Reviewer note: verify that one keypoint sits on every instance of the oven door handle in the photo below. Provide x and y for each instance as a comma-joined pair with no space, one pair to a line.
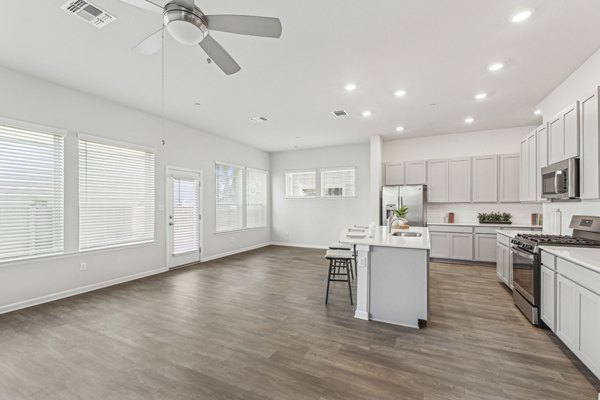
522,253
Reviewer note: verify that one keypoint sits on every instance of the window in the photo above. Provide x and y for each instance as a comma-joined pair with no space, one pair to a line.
300,184
229,202
338,182
256,200
116,194
31,192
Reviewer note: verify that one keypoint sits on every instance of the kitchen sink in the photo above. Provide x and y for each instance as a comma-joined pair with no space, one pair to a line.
407,234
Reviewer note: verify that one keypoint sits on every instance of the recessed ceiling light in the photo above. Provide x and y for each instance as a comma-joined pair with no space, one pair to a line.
400,93
495,67
350,87
399,129
522,15
366,113
480,96
538,112
469,120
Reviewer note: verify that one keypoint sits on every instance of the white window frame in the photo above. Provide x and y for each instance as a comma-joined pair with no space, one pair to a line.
267,195
125,145
60,133
301,171
324,171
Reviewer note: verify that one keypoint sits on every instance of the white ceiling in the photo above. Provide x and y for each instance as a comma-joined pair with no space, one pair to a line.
436,50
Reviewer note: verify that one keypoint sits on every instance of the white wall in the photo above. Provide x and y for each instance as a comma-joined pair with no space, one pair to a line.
480,143
29,99
470,144
318,221
581,82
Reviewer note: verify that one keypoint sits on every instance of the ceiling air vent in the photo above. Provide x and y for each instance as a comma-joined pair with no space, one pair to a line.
258,119
340,113
89,13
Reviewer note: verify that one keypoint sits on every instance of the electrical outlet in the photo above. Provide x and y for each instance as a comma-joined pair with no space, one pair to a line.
83,266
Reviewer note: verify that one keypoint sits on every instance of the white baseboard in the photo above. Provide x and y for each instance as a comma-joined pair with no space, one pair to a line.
72,292
304,245
237,251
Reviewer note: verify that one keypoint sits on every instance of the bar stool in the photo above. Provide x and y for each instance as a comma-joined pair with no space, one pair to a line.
340,265
347,247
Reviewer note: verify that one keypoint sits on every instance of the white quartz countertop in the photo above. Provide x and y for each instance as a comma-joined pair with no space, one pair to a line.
587,257
384,239
511,233
507,226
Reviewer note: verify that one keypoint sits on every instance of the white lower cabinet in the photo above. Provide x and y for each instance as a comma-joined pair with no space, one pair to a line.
589,329
440,245
578,322
567,312
548,299
451,246
485,247
503,264
461,246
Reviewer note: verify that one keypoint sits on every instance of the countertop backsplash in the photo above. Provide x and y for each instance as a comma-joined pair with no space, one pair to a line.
557,215
465,213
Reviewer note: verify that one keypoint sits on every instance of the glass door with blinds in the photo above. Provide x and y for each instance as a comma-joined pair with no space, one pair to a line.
183,217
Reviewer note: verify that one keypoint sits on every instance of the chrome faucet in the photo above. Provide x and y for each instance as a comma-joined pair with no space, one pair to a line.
390,222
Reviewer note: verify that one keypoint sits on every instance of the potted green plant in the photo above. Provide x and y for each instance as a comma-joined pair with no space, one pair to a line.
494,218
401,213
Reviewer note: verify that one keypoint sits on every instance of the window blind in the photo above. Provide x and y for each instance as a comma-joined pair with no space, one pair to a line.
229,201
31,193
256,203
185,215
116,195
338,182
300,184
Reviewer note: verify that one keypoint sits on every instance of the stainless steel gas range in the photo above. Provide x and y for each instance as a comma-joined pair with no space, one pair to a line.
526,264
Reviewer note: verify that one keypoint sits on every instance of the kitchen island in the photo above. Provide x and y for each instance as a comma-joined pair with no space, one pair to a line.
392,282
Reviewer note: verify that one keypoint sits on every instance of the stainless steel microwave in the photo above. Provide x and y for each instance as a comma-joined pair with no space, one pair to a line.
561,180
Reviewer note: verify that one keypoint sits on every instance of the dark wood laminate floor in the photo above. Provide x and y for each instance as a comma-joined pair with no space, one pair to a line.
254,326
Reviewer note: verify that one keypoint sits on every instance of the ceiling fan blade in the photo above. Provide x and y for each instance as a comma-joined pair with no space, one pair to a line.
151,44
189,4
219,55
145,4
245,25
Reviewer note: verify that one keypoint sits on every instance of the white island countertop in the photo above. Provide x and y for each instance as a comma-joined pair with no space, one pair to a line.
588,257
384,239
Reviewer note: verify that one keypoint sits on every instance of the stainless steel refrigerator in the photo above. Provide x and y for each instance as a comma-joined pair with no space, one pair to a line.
412,196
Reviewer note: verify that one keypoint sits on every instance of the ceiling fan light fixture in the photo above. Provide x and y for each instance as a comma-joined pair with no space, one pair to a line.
185,26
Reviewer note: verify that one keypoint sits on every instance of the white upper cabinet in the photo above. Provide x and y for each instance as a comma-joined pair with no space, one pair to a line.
460,180
589,167
394,174
485,179
542,156
437,183
563,134
529,168
524,181
510,178
532,167
416,173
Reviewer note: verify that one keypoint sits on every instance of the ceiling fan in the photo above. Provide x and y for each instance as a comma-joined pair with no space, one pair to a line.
189,25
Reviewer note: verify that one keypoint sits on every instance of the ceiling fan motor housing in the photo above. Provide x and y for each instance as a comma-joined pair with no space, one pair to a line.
185,25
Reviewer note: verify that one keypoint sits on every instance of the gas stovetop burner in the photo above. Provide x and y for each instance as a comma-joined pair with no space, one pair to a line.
556,239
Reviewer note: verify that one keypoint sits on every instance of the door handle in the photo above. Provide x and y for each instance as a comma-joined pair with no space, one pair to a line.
170,224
